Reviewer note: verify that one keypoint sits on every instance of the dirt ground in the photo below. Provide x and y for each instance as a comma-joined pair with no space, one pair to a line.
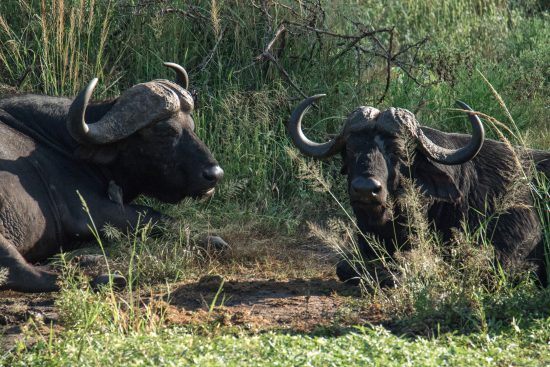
249,302
262,304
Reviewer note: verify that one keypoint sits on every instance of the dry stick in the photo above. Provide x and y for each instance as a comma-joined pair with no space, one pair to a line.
289,8
388,67
360,37
210,55
394,59
183,13
269,46
267,55
339,35
355,39
268,32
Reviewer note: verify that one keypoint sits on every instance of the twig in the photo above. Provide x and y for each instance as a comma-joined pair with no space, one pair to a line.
270,57
338,35
195,15
267,55
210,55
267,50
361,37
388,68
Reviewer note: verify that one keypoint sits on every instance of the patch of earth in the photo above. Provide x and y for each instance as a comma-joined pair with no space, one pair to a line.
300,305
19,310
247,299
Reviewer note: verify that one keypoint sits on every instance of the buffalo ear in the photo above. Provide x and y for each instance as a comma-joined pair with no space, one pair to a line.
436,180
98,154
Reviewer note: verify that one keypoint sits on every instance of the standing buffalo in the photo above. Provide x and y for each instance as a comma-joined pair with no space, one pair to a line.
462,176
142,142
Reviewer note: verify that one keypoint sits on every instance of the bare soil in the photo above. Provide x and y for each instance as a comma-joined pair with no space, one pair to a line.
21,311
262,304
247,299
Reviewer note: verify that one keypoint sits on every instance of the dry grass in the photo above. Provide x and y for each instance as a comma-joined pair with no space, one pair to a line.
3,275
434,280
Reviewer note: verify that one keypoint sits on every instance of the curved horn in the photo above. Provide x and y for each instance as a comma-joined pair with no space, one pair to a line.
181,75
141,105
306,146
76,124
455,156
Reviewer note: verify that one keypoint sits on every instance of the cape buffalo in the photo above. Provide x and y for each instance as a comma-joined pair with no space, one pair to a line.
142,142
461,175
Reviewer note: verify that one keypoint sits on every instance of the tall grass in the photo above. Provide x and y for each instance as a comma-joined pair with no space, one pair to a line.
56,47
460,284
3,275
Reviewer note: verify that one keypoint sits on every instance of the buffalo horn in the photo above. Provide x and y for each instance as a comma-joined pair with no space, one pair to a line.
76,124
182,79
306,146
455,156
136,108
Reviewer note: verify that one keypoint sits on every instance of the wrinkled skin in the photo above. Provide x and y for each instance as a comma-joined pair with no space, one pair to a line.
455,193
42,167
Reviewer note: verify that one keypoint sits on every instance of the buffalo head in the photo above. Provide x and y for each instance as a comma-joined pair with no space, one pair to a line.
146,139
375,147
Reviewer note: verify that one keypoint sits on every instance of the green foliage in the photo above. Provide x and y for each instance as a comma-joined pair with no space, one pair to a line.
52,46
56,47
512,345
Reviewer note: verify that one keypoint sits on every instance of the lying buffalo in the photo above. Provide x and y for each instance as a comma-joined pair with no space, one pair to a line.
461,175
142,142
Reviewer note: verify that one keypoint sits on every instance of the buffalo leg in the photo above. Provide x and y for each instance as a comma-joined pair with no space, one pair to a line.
123,217
21,275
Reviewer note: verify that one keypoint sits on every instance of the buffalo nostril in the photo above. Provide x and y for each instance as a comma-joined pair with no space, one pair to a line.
373,185
213,173
366,186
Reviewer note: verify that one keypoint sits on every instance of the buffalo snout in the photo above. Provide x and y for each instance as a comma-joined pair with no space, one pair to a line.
213,174
367,190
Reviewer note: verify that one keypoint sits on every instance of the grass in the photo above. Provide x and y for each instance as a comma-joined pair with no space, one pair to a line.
359,346
445,316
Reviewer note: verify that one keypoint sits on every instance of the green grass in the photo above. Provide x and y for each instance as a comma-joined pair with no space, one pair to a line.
361,346
56,47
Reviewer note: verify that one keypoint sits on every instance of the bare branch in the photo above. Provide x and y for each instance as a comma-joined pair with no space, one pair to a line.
388,68
280,31
210,55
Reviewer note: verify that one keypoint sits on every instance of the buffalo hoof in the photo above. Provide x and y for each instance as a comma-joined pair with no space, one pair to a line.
103,280
347,274
213,244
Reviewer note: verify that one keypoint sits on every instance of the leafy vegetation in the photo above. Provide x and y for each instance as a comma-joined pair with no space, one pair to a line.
361,346
462,310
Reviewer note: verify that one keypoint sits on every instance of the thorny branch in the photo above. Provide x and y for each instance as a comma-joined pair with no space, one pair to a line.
368,43
353,41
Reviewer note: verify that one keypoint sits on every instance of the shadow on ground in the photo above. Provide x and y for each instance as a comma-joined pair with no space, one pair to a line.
262,304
